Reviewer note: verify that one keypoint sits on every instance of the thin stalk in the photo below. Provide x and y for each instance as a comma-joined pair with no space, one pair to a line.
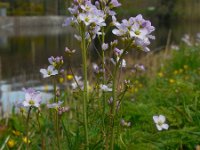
103,67
57,130
113,110
85,90
106,68
27,127
56,116
104,81
114,94
70,68
104,96
40,130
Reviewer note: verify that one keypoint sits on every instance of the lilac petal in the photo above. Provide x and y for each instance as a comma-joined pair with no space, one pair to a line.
51,59
43,71
165,126
55,72
25,104
38,98
67,22
27,97
162,118
50,68
159,127
116,32
156,119
46,76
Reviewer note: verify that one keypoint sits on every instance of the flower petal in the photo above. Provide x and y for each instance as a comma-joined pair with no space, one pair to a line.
159,127
155,119
50,68
165,126
27,97
43,71
162,118
25,104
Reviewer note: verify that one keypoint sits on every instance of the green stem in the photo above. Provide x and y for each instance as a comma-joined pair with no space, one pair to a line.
56,116
114,94
54,88
113,110
40,130
57,129
85,90
27,127
104,81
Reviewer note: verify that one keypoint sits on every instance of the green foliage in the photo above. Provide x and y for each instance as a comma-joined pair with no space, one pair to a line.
174,94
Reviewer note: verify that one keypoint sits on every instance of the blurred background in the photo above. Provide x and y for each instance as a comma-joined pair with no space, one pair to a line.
31,31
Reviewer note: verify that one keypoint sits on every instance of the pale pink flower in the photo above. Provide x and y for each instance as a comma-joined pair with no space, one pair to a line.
160,122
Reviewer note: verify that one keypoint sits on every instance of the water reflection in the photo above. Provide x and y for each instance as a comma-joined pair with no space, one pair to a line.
25,50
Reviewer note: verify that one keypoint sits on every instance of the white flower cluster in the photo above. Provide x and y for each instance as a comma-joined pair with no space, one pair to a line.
92,16
53,68
137,29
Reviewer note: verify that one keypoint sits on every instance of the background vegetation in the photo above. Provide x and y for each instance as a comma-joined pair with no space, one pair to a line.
171,89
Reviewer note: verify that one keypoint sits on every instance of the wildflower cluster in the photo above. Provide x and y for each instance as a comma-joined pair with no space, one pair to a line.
136,29
86,14
191,41
107,95
91,20
54,67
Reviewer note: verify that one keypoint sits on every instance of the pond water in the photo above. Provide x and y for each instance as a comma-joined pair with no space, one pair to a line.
24,51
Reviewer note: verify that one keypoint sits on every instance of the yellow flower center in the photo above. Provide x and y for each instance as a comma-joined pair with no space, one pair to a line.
137,32
31,102
160,123
86,19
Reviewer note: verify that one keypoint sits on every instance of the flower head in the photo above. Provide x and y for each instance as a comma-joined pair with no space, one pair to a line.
55,61
95,67
69,77
105,88
32,98
62,110
187,39
135,28
139,67
114,3
11,143
104,46
26,140
160,122
69,51
77,82
50,71
124,123
88,14
16,133
54,105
